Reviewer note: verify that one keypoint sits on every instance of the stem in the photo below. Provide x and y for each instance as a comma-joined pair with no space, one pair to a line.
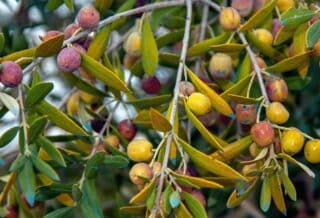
183,55
24,121
292,128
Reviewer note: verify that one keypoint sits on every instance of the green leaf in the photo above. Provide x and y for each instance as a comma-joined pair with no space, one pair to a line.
235,198
67,138
151,198
36,128
8,136
90,204
283,34
259,17
194,206
276,193
27,181
50,47
288,186
166,199
313,34
182,212
210,164
53,190
60,213
18,163
150,101
237,88
69,4
149,47
294,17
198,181
102,73
99,43
45,168
19,54
51,150
242,99
117,161
37,93
265,195
204,46
103,5
158,121
174,199
53,4
245,68
169,38
2,42
228,47
10,103
127,5
93,164
296,82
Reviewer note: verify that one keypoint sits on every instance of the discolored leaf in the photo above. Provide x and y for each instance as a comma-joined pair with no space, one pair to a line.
99,43
294,17
201,182
51,150
158,121
209,164
265,195
283,34
217,101
294,161
228,47
10,103
289,63
37,93
8,136
134,210
300,47
50,47
313,34
27,181
182,212
150,101
194,205
175,199
19,54
259,16
142,195
262,154
276,193
235,199
288,185
45,168
102,73
149,47
60,213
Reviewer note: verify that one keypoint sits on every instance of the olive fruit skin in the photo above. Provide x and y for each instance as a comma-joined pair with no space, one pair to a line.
132,46
246,113
312,151
262,133
70,30
140,170
229,18
68,59
198,103
292,141
277,89
151,85
284,5
264,36
186,88
220,66
88,17
127,129
244,7
112,140
10,74
139,150
277,113
12,212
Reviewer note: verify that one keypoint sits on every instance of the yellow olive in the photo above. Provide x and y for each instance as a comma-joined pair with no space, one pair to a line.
199,103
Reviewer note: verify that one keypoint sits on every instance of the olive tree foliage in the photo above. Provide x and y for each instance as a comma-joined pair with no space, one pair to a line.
182,108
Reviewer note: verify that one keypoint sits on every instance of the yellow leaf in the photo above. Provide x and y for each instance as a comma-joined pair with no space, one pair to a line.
259,16
236,89
99,43
276,192
212,165
283,35
201,182
158,121
299,46
217,102
65,199
235,200
228,47
19,54
207,135
182,212
245,68
142,196
134,210
50,47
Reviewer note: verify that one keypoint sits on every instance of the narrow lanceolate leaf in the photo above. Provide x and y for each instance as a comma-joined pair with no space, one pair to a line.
166,199
158,121
103,5
262,154
69,4
10,103
265,195
242,99
294,17
245,68
124,7
2,42
228,47
207,135
212,165
283,34
276,192
233,150
204,46
37,93
313,34
19,54
296,82
151,198
288,186
50,47
236,89
36,128
119,160
201,182
182,212
51,150
294,161
194,205
102,73
149,47
8,136
169,38
289,63
45,168
89,203
60,213
134,210
259,17
300,47
99,43
27,181
150,101
175,199
142,196
217,102
58,117
235,199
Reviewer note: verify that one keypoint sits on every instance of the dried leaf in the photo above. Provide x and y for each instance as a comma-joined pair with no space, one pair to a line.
276,192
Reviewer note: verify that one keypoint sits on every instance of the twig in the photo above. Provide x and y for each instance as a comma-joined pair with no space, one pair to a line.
24,121
183,55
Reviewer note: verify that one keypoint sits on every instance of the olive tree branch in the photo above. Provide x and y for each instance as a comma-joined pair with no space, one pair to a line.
24,121
182,60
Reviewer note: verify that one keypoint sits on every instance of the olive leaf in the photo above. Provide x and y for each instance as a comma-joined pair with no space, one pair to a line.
50,46
142,195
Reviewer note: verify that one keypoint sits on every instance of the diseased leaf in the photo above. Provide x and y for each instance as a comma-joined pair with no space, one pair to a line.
37,93
142,195
102,73
99,43
45,168
288,186
50,47
10,103
217,101
276,193
194,205
8,136
209,164
259,16
313,34
265,195
149,47
294,17
158,121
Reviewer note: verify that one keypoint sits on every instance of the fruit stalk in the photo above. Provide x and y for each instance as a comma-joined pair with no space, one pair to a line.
182,60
